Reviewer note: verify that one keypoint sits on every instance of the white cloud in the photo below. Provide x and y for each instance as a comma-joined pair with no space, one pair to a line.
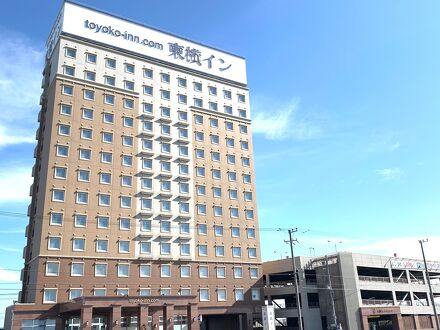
10,137
390,174
385,141
14,184
9,275
11,249
283,123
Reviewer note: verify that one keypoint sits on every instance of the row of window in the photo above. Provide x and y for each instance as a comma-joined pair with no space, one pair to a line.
129,68
89,94
100,269
145,247
50,294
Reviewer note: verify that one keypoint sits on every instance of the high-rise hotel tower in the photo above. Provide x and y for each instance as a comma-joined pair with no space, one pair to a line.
143,212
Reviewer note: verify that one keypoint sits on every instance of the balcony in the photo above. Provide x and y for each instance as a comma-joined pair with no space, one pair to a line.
379,279
377,302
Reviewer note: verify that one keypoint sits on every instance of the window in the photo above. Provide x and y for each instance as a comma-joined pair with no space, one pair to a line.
250,232
198,103
83,175
184,228
239,294
165,147
219,251
127,160
165,78
101,245
234,212
165,129
185,249
85,154
256,295
230,159
215,139
185,271
50,296
124,246
82,197
125,202
70,52
129,68
123,270
124,224
165,166
203,271
241,98
200,171
108,80
201,209
52,268
122,292
200,153
99,292
246,178
109,99
181,82
129,85
202,229
216,174
227,94
127,121
165,226
232,194
89,94
91,58
243,129
103,222
203,250
100,270
164,94
215,156
86,133
232,176
87,113
145,247
148,90
247,196
58,195
147,163
184,207
182,115
146,204
165,270
201,190
230,142
212,106
60,172
235,231
69,70
107,137
221,294
105,178
218,211
165,292
200,136
80,220
218,230
197,87
227,109
165,206
249,214
108,118
147,126
198,119
238,272
182,99
204,294
54,243
145,292
183,133
63,129
183,169
146,183
128,103
144,270
145,225
75,293
253,272
148,73
103,199
79,244
229,126
106,157
236,251
110,63
212,90
127,141
126,180
77,269
242,113
220,272
68,90
89,75
213,122
252,252
56,218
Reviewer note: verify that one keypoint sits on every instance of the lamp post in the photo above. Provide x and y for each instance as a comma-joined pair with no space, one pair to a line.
298,301
429,283
335,242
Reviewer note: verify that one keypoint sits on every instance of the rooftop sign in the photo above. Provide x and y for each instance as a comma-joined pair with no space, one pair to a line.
105,28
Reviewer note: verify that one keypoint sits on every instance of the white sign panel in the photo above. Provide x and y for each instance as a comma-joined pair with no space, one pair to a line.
414,264
117,32
268,315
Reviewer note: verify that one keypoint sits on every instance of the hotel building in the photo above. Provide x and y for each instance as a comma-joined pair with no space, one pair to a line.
143,212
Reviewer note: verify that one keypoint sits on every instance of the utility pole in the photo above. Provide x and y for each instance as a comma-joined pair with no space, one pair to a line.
298,301
332,298
429,283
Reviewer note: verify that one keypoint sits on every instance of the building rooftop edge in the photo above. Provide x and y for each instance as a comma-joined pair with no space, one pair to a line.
77,3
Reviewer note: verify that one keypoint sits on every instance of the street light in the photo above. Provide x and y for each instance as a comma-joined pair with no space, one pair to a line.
335,242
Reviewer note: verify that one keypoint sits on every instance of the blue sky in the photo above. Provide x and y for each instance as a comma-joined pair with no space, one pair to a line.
345,105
